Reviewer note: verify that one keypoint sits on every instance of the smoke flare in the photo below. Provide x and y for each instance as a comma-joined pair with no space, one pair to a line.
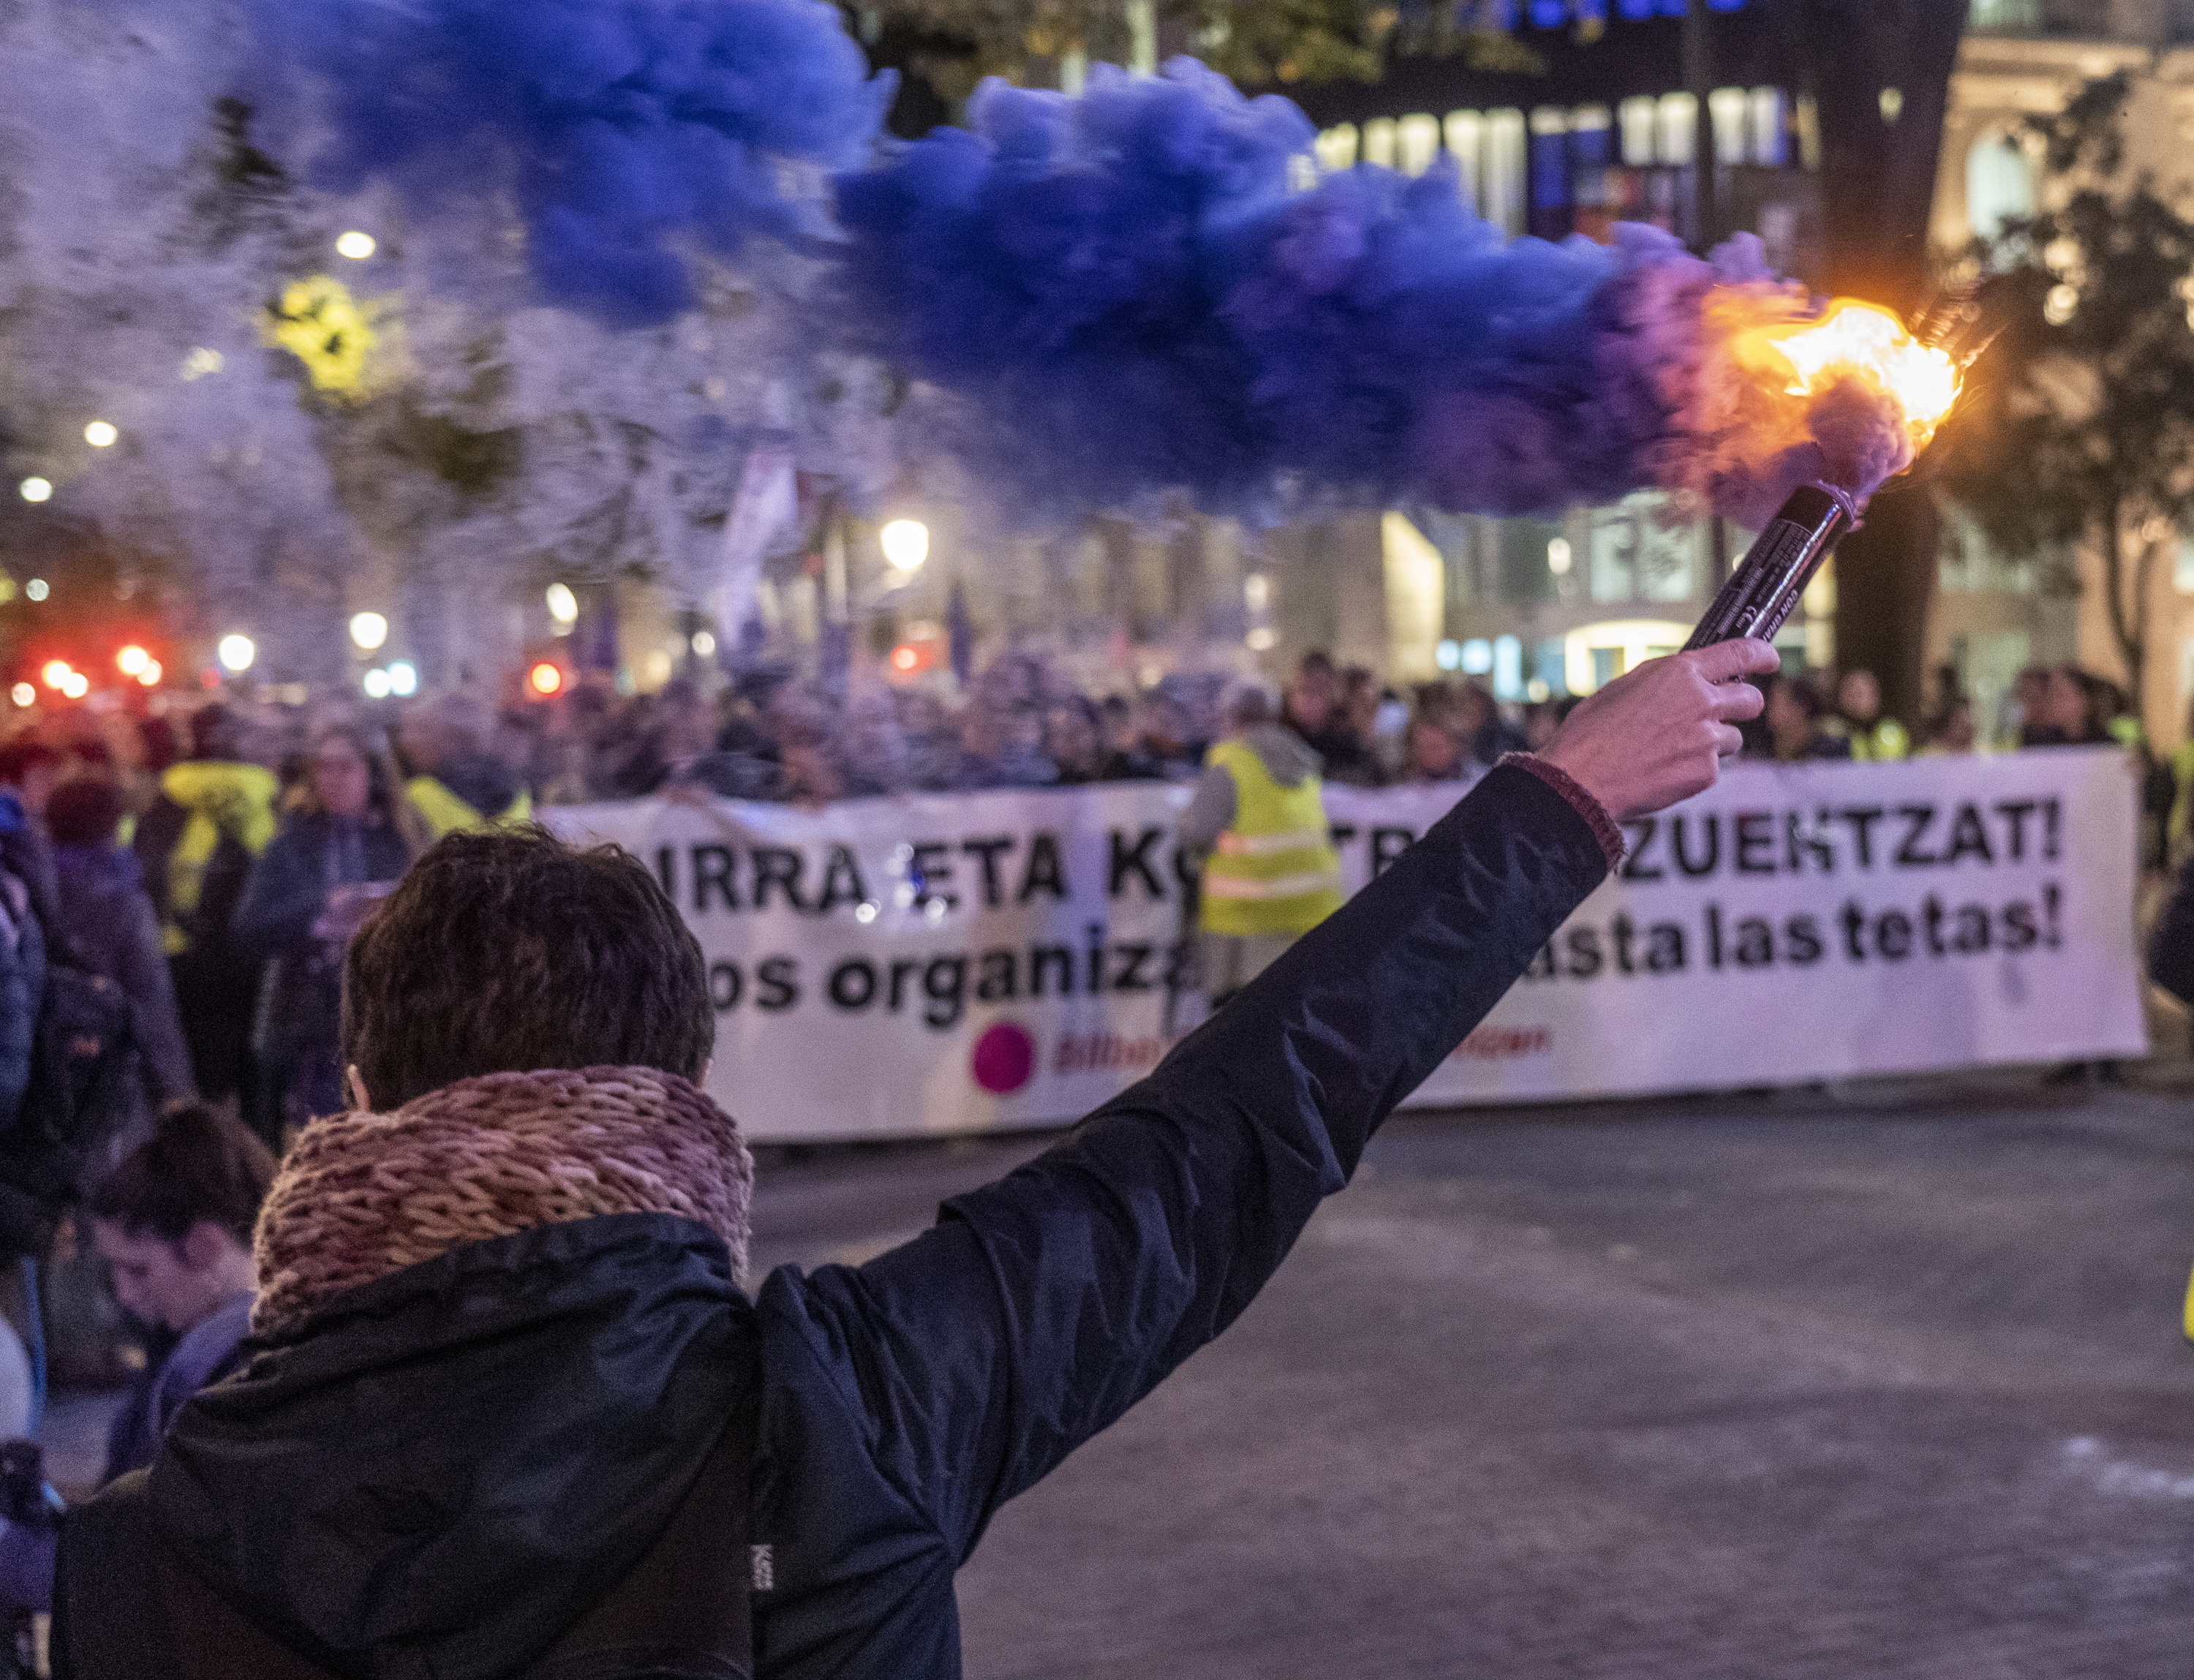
1132,292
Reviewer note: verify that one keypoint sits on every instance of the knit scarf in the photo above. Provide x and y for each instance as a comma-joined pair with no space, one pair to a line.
359,1196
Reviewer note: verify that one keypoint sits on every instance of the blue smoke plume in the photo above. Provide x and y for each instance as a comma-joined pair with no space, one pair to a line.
1130,296
619,129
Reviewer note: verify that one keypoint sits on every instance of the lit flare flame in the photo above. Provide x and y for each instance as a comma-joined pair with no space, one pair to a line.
1856,340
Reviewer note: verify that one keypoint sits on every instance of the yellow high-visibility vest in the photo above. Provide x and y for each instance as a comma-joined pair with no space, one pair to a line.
1883,742
226,802
1274,871
446,813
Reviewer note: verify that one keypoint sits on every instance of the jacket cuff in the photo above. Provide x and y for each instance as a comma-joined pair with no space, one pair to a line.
1603,826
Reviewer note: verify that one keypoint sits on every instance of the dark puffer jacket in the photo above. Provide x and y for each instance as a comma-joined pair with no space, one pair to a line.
445,1468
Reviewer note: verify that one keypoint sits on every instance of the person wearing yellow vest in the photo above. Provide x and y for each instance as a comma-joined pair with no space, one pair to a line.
456,785
1874,739
195,848
1258,823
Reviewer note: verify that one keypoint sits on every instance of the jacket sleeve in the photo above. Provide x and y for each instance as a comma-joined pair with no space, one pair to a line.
283,895
1210,813
1042,1307
2171,945
145,981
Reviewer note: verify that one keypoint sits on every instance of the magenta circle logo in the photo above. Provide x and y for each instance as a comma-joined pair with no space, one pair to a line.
1003,1059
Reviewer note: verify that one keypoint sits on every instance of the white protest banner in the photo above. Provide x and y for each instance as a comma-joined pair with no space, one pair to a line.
1818,921
971,962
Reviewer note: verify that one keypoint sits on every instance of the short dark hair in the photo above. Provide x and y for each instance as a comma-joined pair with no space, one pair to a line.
199,1165
509,952
84,811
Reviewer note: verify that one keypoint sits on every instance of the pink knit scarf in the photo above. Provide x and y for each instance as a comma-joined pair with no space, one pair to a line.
362,1195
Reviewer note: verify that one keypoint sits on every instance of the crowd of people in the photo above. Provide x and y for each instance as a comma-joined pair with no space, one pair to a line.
211,865
203,872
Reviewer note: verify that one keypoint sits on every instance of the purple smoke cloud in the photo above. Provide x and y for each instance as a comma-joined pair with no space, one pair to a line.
619,130
1134,295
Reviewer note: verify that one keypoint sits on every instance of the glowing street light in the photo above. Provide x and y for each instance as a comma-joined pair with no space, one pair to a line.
35,489
545,678
563,605
355,244
376,684
236,653
37,589
56,673
368,631
23,694
403,678
78,686
132,659
906,542
149,676
100,433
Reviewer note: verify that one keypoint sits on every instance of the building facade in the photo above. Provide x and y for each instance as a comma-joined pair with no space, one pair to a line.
2020,59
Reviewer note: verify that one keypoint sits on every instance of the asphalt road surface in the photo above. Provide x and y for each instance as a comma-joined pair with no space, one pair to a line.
1855,1385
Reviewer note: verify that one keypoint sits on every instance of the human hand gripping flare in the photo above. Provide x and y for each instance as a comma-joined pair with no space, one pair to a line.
1657,735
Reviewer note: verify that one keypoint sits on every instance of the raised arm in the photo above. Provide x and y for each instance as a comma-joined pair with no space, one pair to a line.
1044,1305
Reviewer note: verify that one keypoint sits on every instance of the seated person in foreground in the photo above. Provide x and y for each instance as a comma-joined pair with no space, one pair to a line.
508,1411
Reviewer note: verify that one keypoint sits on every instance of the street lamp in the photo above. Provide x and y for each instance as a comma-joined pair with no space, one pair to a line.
132,659
100,433
402,679
236,652
905,543
563,605
368,631
355,244
37,489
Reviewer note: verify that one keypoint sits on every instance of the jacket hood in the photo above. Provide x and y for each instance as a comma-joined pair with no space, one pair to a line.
1287,757
487,784
440,1471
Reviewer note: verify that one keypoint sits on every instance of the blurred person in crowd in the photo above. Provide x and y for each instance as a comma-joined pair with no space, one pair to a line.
173,1223
1313,711
457,785
1433,750
30,770
1169,746
874,748
340,852
1797,723
813,774
1073,742
1542,721
2020,709
1858,720
1489,735
2067,715
1002,745
106,921
1257,826
1123,738
516,1265
196,845
1954,732
933,745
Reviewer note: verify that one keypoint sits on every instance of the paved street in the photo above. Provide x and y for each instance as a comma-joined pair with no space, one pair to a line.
1888,1384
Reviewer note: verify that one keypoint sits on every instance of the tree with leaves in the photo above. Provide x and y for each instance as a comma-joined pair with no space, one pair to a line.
2079,429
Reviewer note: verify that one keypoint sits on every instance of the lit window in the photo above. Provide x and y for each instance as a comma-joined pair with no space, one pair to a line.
1507,668
1676,125
1999,184
1417,142
1502,184
1464,132
1637,118
1336,148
